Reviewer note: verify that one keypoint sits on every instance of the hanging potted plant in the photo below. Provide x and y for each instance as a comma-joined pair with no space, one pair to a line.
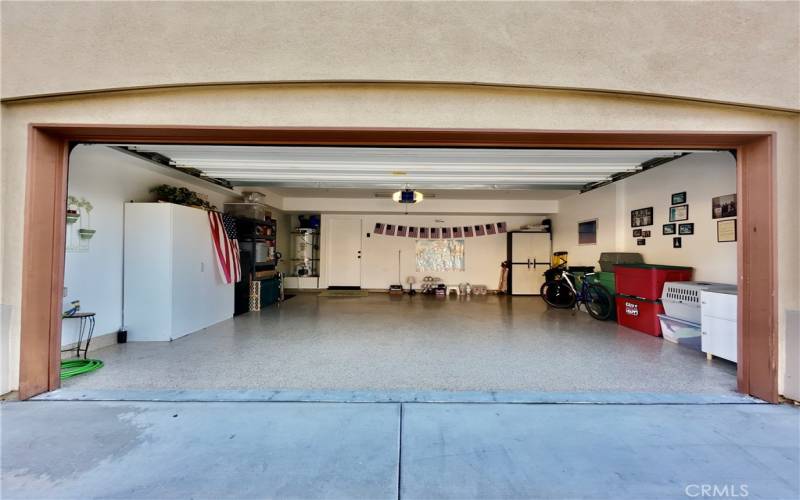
87,232
73,207
180,196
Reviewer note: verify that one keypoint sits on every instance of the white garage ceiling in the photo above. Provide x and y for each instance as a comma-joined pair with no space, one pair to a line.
393,168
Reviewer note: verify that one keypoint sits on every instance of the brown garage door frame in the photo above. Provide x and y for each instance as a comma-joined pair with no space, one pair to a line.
45,212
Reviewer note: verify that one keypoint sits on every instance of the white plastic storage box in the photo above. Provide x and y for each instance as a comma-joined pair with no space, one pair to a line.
681,332
681,299
255,211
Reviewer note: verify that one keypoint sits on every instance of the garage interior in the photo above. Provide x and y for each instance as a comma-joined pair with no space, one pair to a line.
323,301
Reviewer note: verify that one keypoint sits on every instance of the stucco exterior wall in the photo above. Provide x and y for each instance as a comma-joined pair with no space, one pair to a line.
385,106
743,52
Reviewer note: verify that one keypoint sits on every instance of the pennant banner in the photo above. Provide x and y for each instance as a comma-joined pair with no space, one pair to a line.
436,233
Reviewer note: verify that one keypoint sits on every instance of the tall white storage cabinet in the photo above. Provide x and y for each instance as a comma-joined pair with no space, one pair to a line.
172,284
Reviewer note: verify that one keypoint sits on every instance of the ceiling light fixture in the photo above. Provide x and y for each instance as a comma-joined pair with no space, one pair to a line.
408,196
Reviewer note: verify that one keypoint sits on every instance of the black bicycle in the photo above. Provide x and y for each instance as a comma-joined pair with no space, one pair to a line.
561,294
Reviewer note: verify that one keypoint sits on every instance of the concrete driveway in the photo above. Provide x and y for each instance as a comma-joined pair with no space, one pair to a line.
182,449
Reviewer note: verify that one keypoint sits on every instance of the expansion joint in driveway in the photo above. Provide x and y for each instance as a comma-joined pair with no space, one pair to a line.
401,396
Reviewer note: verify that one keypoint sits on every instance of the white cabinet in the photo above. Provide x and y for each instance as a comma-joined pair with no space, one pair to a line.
172,286
300,283
718,309
530,257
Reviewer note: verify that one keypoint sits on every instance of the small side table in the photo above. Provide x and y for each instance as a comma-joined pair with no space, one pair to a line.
86,318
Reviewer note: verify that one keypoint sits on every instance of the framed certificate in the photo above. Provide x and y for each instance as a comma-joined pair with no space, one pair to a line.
679,213
726,230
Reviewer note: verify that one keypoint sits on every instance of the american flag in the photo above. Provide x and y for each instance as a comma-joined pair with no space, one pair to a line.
226,246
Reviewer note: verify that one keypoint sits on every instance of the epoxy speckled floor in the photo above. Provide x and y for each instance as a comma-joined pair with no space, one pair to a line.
422,343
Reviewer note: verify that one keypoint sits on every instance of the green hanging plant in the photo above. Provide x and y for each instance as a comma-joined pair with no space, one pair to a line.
180,196
73,214
87,205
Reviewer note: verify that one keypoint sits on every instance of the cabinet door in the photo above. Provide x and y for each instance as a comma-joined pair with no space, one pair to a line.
147,272
718,305
200,296
530,258
722,338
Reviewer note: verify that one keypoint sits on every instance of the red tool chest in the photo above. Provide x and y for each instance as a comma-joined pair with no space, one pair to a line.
640,314
647,280
639,288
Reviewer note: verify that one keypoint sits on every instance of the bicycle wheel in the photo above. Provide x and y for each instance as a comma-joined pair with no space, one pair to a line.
599,302
557,294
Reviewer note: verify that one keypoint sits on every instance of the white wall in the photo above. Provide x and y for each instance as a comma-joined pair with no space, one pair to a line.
379,262
703,176
599,204
108,179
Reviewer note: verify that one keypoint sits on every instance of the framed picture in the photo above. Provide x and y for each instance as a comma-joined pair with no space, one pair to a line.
726,230
587,232
679,213
413,232
676,242
501,227
446,233
378,228
637,233
641,242
723,206
401,231
490,229
668,229
678,198
468,231
687,228
642,217
389,230
457,232
479,231
646,234
423,233
435,233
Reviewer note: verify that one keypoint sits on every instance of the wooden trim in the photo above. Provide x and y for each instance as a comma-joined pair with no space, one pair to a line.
43,261
757,249
499,138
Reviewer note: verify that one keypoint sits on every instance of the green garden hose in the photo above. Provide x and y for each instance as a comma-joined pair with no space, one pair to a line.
72,367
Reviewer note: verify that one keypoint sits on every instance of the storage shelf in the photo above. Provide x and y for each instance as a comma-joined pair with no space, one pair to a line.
260,222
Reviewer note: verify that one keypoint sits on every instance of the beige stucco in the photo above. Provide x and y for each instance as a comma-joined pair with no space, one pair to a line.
386,106
740,52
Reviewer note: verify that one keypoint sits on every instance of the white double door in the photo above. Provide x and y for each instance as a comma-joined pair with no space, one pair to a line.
530,258
344,243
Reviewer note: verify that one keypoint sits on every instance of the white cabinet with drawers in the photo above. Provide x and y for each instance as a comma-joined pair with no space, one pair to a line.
718,309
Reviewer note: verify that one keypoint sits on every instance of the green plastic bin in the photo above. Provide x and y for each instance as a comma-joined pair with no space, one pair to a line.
607,280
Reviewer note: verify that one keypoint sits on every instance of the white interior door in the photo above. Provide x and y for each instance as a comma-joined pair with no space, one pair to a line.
530,258
344,247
